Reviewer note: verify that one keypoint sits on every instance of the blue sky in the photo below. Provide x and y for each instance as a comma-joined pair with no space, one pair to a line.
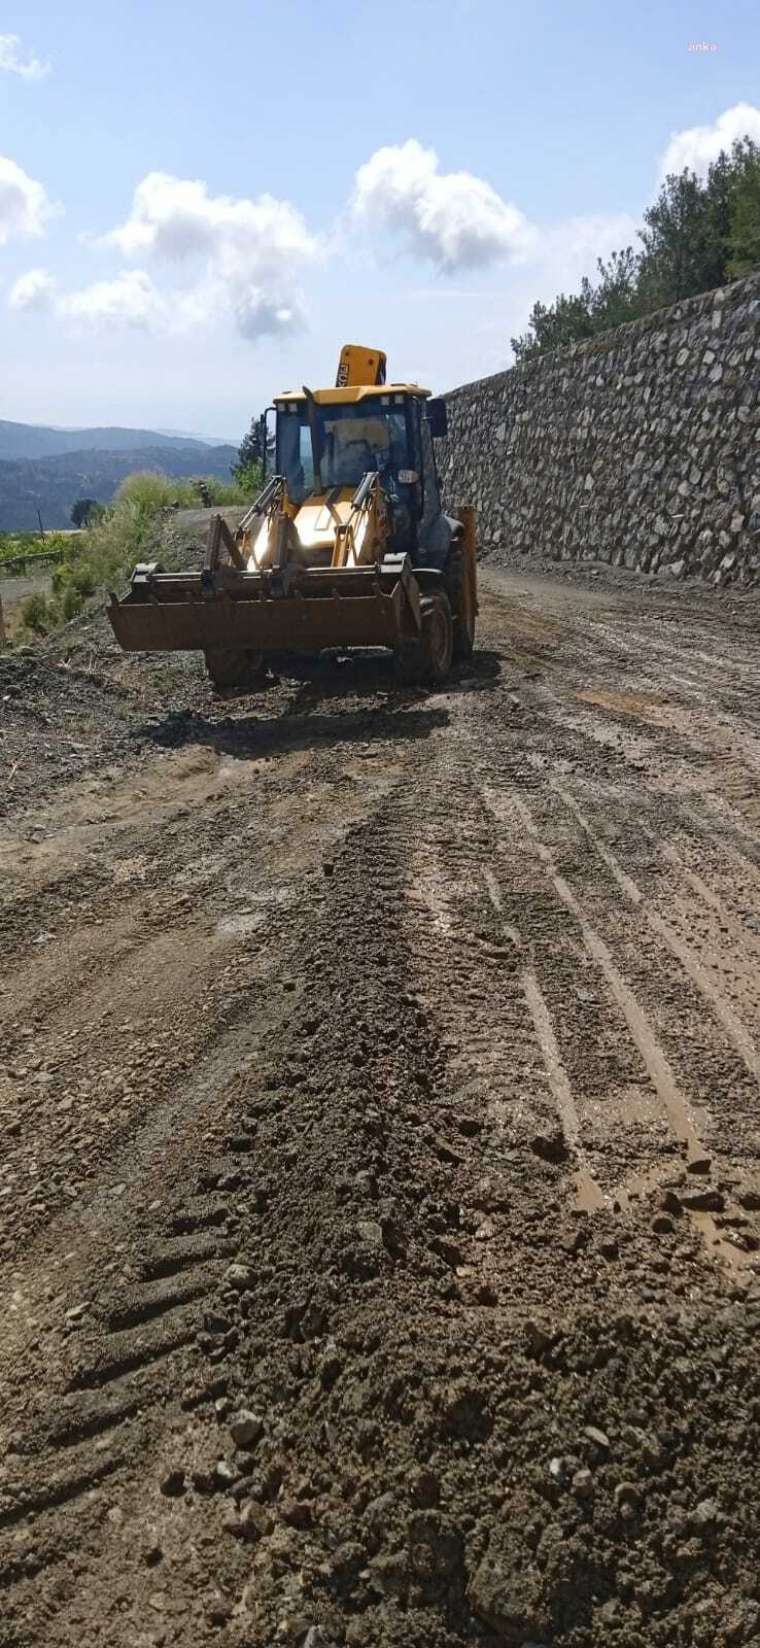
199,204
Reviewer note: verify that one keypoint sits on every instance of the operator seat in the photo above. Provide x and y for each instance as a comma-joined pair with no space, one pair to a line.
352,462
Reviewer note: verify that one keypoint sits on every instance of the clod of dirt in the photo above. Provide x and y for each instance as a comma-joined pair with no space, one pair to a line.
245,1427
708,1200
551,1147
173,1485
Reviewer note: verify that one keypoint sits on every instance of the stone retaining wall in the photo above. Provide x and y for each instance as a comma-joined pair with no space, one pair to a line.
640,448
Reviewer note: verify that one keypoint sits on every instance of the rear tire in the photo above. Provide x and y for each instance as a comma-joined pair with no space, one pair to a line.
234,668
428,660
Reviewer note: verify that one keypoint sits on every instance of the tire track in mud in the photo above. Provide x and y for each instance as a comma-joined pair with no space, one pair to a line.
126,1350
511,810
678,1080
601,1063
626,706
715,681
515,1070
130,990
646,818
108,1368
681,949
589,1192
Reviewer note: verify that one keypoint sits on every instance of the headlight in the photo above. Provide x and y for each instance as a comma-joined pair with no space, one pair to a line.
259,548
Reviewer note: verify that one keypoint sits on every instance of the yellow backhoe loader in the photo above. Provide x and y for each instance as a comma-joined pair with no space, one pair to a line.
346,546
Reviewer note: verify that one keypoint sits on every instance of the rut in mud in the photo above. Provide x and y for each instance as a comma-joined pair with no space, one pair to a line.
380,1184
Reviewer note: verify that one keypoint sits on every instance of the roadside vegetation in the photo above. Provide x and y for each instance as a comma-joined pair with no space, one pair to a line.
699,234
255,446
135,526
18,548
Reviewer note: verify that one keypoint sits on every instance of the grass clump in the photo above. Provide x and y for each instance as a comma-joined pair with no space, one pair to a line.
129,531
38,614
132,528
149,491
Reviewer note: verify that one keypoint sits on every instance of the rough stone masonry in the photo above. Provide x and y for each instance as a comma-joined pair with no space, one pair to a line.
640,448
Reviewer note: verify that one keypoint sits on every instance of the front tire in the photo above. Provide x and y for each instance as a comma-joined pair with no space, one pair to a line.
234,668
428,659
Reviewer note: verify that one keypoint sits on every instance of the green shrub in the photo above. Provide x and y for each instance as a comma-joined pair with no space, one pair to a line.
37,613
72,602
147,492
83,579
244,488
77,575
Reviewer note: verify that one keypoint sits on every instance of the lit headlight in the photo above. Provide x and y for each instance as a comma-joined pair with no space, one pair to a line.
259,548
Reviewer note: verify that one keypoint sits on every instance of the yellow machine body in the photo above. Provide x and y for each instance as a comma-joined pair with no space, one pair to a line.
360,365
330,555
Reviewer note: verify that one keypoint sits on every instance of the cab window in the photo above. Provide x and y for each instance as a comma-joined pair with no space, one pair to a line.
431,499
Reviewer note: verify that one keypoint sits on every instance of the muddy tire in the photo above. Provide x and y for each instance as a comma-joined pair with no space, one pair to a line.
428,660
462,599
234,668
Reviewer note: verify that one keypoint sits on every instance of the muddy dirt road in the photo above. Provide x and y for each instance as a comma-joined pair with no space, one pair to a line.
380,1113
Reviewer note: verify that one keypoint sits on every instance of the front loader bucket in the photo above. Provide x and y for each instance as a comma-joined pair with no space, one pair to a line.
266,613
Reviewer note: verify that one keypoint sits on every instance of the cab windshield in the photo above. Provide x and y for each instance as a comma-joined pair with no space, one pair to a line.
319,447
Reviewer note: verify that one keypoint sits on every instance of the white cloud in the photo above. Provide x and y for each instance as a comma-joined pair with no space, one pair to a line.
569,250
130,299
698,146
24,205
248,254
14,60
451,219
34,290
178,218
238,259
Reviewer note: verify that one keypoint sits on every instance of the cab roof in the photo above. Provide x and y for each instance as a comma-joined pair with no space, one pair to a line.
352,394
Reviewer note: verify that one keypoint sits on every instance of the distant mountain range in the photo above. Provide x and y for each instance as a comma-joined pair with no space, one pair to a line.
31,440
47,469
192,435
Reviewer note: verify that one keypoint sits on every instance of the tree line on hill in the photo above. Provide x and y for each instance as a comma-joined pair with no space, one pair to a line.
51,487
697,235
246,472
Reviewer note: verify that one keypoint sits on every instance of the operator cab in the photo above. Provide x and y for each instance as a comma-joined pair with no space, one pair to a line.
332,439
